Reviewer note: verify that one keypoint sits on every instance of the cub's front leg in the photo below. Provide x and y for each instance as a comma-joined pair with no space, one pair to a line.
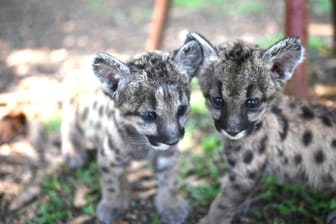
115,197
244,172
172,208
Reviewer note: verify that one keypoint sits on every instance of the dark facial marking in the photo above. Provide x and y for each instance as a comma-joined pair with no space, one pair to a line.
248,157
219,86
326,120
307,138
297,159
152,101
307,113
283,121
319,156
249,91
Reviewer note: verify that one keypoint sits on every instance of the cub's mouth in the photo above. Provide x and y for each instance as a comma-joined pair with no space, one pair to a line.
253,127
160,145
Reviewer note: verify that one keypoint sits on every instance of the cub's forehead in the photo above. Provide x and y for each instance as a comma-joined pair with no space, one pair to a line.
154,67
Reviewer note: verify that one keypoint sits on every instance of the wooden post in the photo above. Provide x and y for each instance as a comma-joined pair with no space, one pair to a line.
160,15
333,2
296,25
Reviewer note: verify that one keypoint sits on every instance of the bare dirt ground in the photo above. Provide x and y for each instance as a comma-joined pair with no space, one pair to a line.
42,41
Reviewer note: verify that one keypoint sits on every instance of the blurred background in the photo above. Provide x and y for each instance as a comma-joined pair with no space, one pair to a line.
41,41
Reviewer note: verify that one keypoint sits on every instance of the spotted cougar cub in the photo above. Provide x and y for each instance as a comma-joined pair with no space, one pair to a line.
138,113
262,130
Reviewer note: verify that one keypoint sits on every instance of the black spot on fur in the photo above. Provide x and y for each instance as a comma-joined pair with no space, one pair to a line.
101,110
307,138
326,120
110,143
297,159
111,189
307,113
285,161
104,169
252,175
110,113
319,156
232,177
248,157
292,105
262,146
280,152
222,207
283,122
85,114
333,143
231,162
237,149
95,105
327,178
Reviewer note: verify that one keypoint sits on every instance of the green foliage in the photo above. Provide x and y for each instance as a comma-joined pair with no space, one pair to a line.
321,7
58,195
53,124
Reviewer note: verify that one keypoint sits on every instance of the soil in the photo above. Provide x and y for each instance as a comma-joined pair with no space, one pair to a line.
42,41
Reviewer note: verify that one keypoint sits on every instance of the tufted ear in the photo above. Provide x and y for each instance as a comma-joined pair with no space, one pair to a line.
111,72
194,54
285,55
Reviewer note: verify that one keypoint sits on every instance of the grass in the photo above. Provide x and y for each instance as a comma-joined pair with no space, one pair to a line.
201,172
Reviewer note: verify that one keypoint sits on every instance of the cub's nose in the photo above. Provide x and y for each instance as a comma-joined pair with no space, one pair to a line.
232,131
172,141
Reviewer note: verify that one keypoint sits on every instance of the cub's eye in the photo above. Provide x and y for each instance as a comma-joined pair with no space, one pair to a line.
148,116
181,110
252,104
217,102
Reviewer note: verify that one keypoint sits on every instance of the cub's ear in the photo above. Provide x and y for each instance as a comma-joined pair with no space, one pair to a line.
285,55
194,54
111,72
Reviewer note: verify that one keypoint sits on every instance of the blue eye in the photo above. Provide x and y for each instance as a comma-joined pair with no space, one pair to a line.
252,104
149,116
181,110
217,102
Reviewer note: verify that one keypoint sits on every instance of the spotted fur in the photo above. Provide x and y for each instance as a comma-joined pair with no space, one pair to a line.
290,139
139,112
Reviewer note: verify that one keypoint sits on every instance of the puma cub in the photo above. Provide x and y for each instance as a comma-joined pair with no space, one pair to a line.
262,130
139,112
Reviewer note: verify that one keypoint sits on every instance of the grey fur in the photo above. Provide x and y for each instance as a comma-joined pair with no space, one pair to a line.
118,122
290,139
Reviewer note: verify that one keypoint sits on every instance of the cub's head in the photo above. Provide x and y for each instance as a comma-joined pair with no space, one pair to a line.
151,93
240,80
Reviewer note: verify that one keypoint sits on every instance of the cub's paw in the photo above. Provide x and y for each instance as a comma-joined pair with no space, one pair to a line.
74,161
331,219
204,221
173,211
109,214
